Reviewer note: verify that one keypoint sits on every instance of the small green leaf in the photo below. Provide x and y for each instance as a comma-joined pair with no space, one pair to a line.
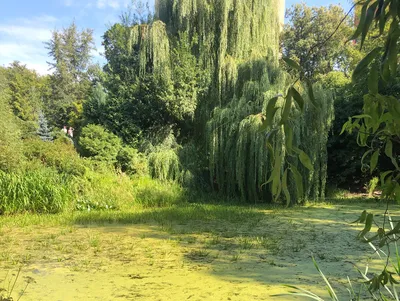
306,161
365,155
285,187
385,72
298,181
362,21
389,149
346,126
362,116
397,193
374,161
311,95
373,80
298,98
382,21
362,218
288,137
368,21
368,225
287,107
392,48
291,63
360,70
270,113
384,175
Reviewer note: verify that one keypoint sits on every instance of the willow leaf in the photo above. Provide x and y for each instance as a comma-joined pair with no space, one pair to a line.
306,161
291,63
362,21
373,80
368,21
298,181
298,98
374,161
285,187
360,70
286,108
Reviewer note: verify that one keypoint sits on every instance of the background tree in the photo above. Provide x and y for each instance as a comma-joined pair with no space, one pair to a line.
10,134
311,26
43,129
70,82
25,87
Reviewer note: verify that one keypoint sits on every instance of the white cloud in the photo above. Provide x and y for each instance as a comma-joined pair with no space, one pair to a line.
100,4
115,4
26,32
33,56
42,19
23,40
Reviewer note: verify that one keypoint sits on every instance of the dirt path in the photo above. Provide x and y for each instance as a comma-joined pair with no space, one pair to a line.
194,260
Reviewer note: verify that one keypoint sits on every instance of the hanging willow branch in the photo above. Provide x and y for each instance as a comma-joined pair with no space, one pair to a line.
237,43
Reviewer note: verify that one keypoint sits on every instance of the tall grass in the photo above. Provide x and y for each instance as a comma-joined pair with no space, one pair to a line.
155,193
39,191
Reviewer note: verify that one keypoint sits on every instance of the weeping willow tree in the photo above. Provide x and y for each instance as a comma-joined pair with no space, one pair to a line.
241,160
236,44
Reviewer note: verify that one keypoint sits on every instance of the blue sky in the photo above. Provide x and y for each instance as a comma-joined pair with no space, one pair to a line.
26,24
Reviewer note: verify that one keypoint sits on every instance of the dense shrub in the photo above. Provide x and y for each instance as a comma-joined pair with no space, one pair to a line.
39,191
155,193
100,144
129,160
60,154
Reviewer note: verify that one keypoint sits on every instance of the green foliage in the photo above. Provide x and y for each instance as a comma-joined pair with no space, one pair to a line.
97,142
103,191
155,193
311,26
129,160
239,159
164,164
189,80
344,160
145,91
25,90
379,126
38,191
214,83
60,155
10,135
70,51
94,108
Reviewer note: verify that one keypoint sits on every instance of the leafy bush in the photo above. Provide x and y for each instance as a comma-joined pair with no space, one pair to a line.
101,190
164,165
132,162
61,154
95,141
39,191
154,193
